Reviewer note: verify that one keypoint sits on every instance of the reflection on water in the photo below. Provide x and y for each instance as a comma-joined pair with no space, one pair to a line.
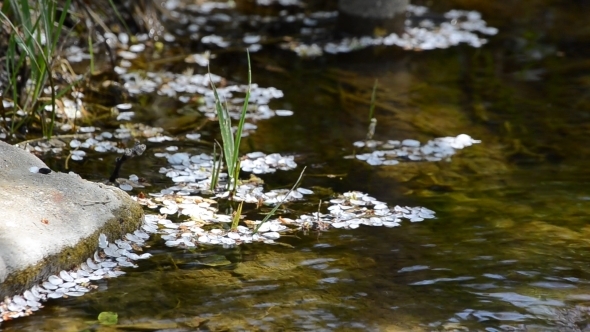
509,250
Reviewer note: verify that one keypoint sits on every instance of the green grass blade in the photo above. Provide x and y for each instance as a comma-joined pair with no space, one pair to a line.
217,163
91,52
225,128
372,107
272,212
372,119
236,217
120,17
238,138
60,24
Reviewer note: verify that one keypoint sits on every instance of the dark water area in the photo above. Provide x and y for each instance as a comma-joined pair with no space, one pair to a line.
509,249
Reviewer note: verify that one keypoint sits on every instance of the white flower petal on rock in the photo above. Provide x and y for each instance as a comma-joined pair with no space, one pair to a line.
66,276
19,300
127,264
123,245
141,234
133,238
36,290
67,285
109,251
91,265
33,305
49,286
54,295
79,288
83,273
102,241
82,280
108,265
132,255
28,295
55,280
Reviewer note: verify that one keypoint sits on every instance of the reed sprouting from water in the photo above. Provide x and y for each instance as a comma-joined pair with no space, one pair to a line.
230,141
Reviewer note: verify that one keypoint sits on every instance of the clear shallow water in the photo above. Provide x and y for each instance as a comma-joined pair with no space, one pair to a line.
508,250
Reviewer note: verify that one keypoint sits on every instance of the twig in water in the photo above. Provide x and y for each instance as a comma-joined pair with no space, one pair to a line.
372,120
137,150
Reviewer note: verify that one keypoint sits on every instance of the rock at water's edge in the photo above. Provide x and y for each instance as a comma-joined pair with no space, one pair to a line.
51,222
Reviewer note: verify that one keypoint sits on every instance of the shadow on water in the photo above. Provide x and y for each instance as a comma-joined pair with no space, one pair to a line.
509,249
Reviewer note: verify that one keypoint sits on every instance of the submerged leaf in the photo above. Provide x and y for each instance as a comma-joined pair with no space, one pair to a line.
108,318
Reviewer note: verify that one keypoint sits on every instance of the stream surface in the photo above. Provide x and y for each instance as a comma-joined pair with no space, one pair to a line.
509,249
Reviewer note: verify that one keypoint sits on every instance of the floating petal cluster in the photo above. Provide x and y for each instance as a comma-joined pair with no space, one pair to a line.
261,163
352,209
204,224
192,173
349,210
420,33
105,263
191,233
92,139
392,152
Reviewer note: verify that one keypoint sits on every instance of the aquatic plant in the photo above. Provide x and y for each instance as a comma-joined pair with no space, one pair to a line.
30,54
372,120
216,166
231,143
276,207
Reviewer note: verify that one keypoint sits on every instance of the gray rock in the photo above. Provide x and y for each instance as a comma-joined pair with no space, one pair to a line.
51,222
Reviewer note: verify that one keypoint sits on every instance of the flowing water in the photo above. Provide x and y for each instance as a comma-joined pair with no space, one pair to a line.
509,249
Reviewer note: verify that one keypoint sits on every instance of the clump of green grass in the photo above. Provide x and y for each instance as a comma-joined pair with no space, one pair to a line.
35,29
231,142
231,148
